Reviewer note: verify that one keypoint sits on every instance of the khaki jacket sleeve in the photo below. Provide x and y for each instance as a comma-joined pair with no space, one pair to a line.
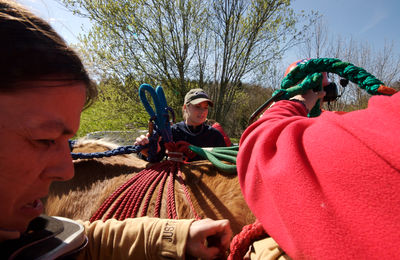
136,238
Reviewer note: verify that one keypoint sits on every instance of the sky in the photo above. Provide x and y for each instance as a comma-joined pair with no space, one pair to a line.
364,20
68,25
369,21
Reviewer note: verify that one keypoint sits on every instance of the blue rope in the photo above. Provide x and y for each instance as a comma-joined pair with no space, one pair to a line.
117,151
71,144
162,127
161,116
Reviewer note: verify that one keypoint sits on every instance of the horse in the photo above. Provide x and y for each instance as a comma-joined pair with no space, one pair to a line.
207,192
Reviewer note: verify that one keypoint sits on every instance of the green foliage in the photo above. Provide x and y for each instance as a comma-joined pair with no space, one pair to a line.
246,101
117,108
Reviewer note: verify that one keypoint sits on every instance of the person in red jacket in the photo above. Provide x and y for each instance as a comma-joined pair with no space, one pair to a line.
326,187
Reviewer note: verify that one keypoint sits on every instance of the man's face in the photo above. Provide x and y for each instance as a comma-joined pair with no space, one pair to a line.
36,123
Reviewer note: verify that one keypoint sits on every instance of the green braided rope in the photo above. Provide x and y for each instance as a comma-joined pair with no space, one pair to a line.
312,81
290,86
309,74
226,148
347,70
216,154
313,67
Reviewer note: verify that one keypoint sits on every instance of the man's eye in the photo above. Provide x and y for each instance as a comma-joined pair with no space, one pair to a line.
47,142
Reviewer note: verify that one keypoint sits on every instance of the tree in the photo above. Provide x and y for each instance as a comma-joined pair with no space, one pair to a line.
214,43
249,35
313,46
153,41
245,103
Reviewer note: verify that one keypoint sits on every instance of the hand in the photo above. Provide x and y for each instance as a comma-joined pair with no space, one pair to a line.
143,140
217,231
310,98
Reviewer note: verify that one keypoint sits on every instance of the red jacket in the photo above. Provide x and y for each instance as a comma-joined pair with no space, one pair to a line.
326,187
221,130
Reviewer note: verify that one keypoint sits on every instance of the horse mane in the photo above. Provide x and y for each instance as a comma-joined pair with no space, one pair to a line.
89,145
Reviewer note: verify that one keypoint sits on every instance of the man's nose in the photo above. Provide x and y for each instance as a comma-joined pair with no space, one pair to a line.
61,167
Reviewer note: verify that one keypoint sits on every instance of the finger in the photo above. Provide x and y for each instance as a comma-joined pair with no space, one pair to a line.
137,141
214,226
218,234
321,94
208,252
226,235
143,140
140,142
222,225
308,92
223,236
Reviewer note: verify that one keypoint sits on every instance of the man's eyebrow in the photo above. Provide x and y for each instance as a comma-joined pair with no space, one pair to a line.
54,125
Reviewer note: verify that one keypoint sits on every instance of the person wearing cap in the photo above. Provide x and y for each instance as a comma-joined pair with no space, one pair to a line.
193,128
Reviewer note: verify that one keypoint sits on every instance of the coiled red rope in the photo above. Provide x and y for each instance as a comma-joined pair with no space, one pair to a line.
241,242
125,202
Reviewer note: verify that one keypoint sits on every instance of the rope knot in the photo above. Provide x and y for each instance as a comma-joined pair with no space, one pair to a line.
179,151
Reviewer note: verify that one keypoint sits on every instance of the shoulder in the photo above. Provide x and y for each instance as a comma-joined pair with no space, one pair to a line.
214,133
210,129
179,131
179,125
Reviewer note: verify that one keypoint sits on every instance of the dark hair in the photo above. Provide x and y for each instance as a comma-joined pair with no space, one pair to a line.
30,50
